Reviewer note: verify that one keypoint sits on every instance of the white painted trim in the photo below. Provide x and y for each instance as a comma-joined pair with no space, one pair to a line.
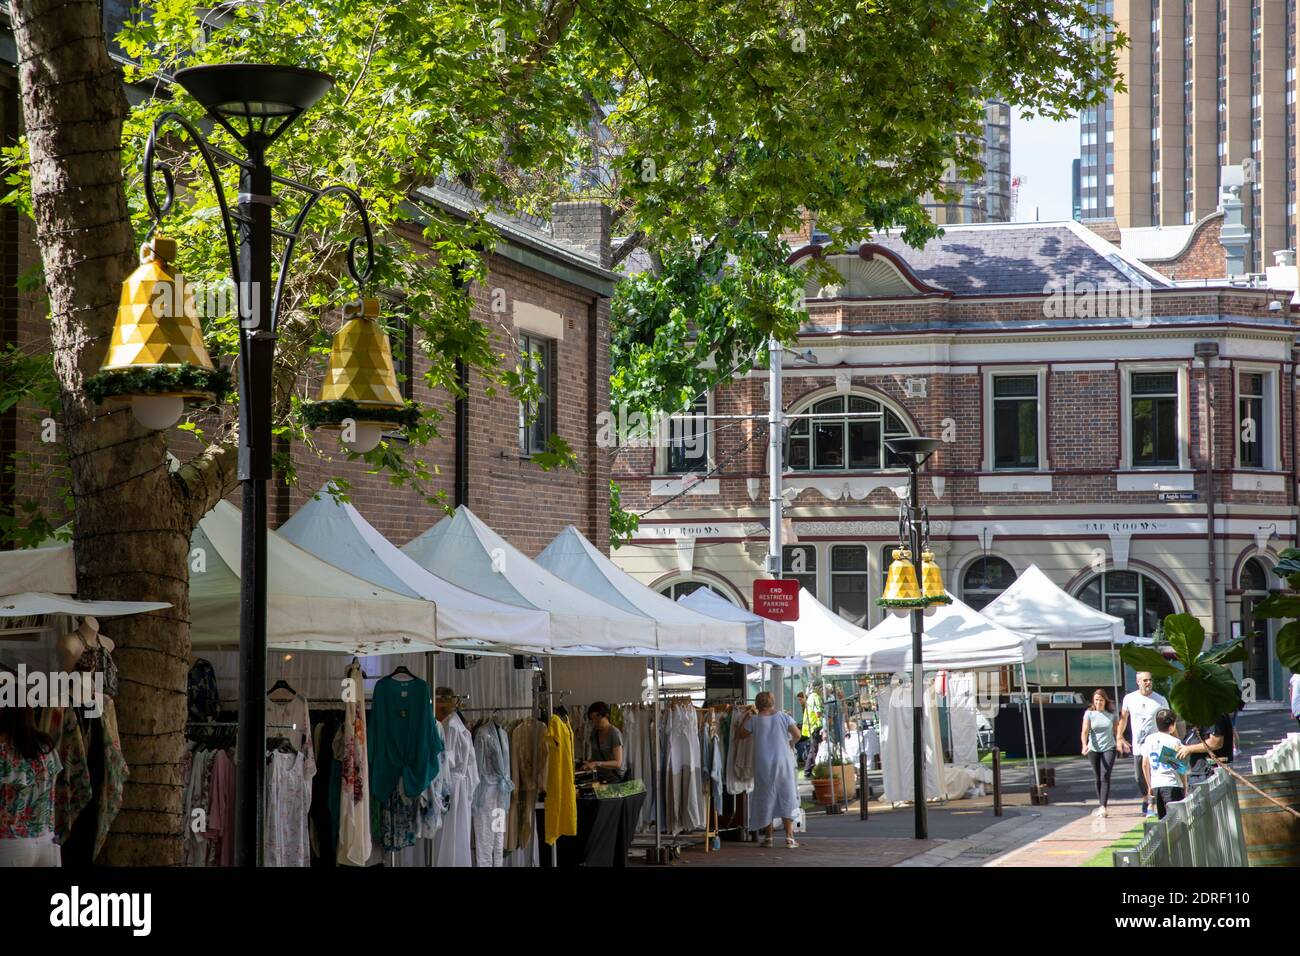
1127,370
835,488
1040,372
1019,482
1257,481
664,433
533,318
662,488
1271,434
1152,481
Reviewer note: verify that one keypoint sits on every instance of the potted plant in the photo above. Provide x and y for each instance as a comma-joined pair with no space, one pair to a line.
845,780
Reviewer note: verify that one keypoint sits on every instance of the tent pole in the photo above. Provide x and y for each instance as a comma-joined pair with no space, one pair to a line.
1114,673
1029,726
658,778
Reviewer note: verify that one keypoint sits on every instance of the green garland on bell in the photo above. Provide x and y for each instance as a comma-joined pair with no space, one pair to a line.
904,602
158,380
942,599
332,413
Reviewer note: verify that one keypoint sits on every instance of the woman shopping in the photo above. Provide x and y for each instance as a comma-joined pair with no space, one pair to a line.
1097,737
775,792
28,767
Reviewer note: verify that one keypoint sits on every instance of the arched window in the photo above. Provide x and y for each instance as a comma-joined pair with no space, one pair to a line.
1254,577
984,580
1134,596
847,434
676,589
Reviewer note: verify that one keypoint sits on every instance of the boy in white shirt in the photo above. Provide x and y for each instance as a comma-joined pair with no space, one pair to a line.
1168,775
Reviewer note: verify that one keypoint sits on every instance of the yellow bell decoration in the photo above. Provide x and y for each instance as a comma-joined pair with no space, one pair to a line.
901,589
361,364
157,323
932,580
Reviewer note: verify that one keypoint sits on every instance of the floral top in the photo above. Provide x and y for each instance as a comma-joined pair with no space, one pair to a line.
26,793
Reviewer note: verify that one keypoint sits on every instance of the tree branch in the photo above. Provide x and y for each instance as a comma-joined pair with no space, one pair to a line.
209,476
626,247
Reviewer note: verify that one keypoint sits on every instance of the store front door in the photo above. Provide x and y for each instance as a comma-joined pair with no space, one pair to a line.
1259,649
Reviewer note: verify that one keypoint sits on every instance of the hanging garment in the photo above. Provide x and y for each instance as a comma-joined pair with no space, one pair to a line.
27,809
528,765
221,815
201,691
288,803
452,847
435,801
775,794
403,745
72,787
740,757
399,821
711,755
561,793
351,751
492,796
684,777
290,719
115,774
196,804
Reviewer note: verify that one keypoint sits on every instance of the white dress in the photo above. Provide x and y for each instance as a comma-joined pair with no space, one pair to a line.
452,847
776,795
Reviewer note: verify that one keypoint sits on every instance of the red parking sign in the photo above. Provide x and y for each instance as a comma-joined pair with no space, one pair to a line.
777,600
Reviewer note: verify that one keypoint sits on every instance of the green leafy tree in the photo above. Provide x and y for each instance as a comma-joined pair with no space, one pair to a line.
709,129
1202,689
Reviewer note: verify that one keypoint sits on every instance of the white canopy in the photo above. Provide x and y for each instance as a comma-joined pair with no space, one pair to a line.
820,632
49,568
32,603
311,605
764,639
37,581
681,631
464,550
1034,604
956,637
336,532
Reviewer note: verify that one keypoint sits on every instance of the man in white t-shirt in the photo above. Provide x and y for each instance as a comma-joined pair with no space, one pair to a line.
1138,715
1159,755
1295,696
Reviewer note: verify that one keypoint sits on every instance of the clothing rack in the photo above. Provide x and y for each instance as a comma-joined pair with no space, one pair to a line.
479,710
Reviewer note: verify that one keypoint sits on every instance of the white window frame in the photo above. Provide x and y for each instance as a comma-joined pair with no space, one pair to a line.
831,574
549,390
664,433
1269,435
1040,371
805,405
731,593
1128,369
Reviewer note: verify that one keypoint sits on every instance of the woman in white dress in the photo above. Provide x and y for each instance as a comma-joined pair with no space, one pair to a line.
775,792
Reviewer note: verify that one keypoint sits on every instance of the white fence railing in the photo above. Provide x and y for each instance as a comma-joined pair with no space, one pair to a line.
1204,829
1281,758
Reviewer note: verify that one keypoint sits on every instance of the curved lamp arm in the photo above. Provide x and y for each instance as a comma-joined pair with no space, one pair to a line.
158,211
362,276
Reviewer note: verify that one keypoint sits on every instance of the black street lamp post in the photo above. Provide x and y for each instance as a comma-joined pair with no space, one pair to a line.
255,103
917,452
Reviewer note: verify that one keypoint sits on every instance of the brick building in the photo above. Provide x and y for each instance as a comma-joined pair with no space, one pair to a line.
1063,377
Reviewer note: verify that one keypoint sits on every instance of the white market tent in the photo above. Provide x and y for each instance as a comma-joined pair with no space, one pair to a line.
38,581
464,550
1034,604
956,638
311,605
821,633
764,639
335,531
680,630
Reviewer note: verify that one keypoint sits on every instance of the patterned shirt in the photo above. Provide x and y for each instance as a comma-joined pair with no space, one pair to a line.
26,793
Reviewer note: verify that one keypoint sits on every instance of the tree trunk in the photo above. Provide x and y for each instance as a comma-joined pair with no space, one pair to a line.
133,519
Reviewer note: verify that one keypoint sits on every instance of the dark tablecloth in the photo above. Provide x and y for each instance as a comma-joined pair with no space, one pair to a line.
1062,728
605,829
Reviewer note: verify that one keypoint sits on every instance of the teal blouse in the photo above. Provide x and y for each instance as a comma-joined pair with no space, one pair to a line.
403,744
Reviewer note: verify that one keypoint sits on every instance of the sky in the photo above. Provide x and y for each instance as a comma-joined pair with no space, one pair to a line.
1041,152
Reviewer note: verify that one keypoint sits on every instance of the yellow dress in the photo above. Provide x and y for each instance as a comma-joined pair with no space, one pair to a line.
561,793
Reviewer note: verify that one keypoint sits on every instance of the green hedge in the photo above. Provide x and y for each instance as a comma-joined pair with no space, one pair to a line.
158,380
